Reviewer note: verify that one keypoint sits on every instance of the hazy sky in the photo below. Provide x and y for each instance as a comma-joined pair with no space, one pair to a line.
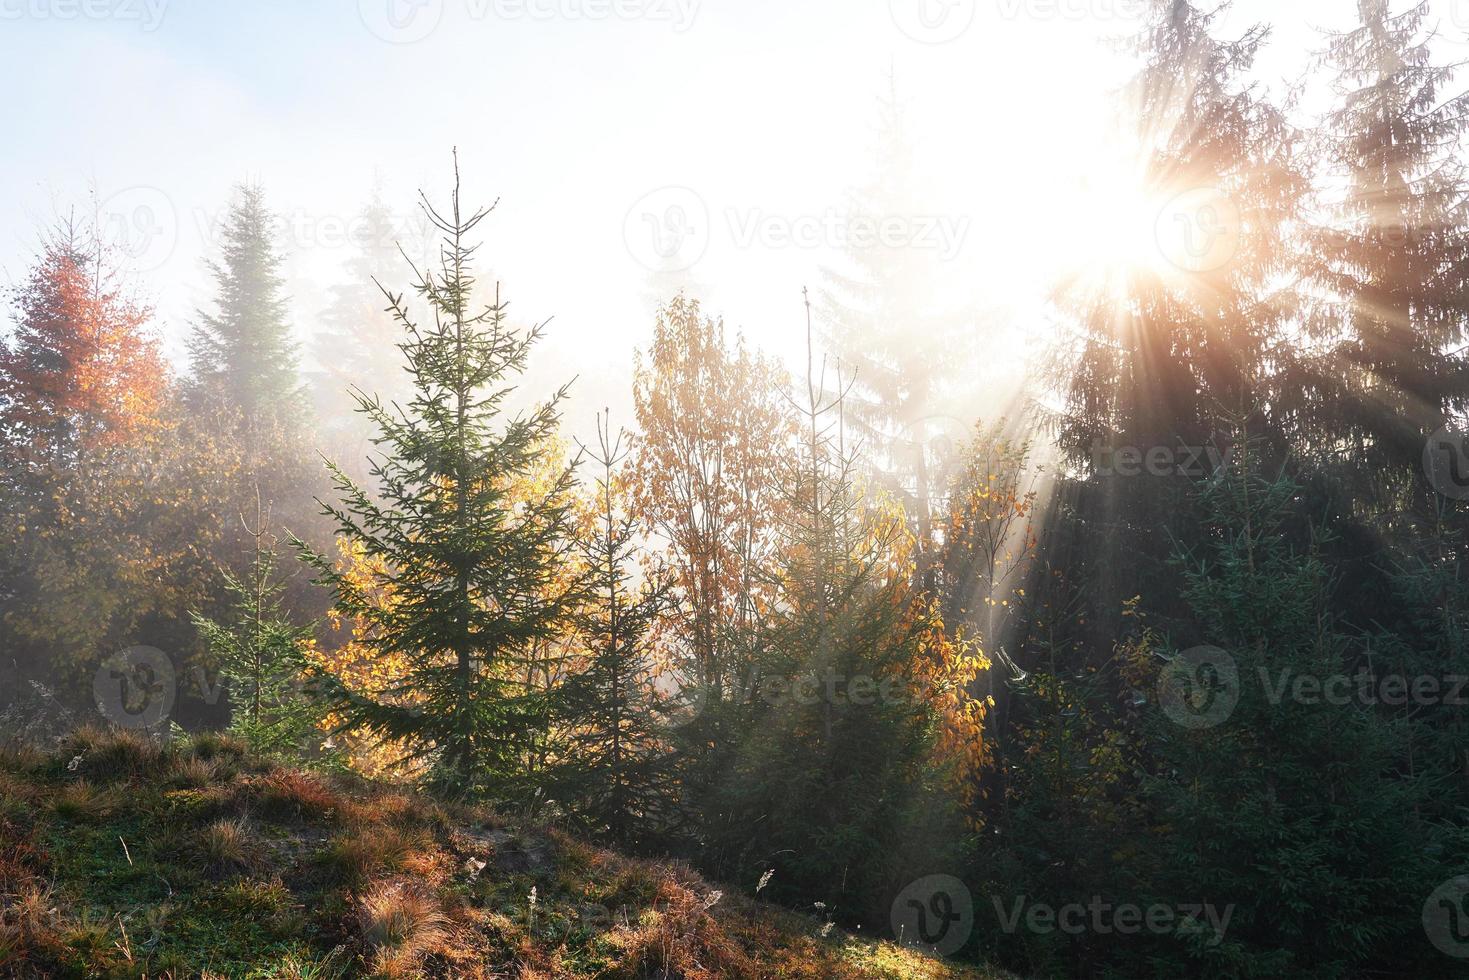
579,115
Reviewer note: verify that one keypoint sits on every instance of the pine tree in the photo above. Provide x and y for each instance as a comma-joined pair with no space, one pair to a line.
242,357
475,578
618,776
1394,266
260,653
1178,341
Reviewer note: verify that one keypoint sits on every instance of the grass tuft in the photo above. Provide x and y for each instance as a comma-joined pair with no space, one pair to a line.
228,845
82,802
115,754
291,795
400,925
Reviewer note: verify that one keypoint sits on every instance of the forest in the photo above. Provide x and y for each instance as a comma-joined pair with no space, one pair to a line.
1161,672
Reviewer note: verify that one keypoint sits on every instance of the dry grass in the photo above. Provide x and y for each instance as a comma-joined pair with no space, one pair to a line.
27,921
400,925
20,859
116,754
214,746
377,849
394,807
20,757
228,845
388,889
82,802
191,772
679,936
291,795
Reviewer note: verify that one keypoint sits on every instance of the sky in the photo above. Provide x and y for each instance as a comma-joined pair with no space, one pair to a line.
712,142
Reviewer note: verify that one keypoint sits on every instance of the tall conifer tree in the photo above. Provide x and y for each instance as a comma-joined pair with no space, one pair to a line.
1394,265
618,774
241,355
1180,339
475,576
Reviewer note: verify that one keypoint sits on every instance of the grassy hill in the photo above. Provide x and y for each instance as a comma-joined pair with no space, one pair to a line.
119,858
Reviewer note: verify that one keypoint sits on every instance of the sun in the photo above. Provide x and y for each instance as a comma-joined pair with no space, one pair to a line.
1127,232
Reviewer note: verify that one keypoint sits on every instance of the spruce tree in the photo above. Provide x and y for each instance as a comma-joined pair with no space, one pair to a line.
357,346
260,654
242,357
617,776
1277,798
1393,265
1176,344
475,575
